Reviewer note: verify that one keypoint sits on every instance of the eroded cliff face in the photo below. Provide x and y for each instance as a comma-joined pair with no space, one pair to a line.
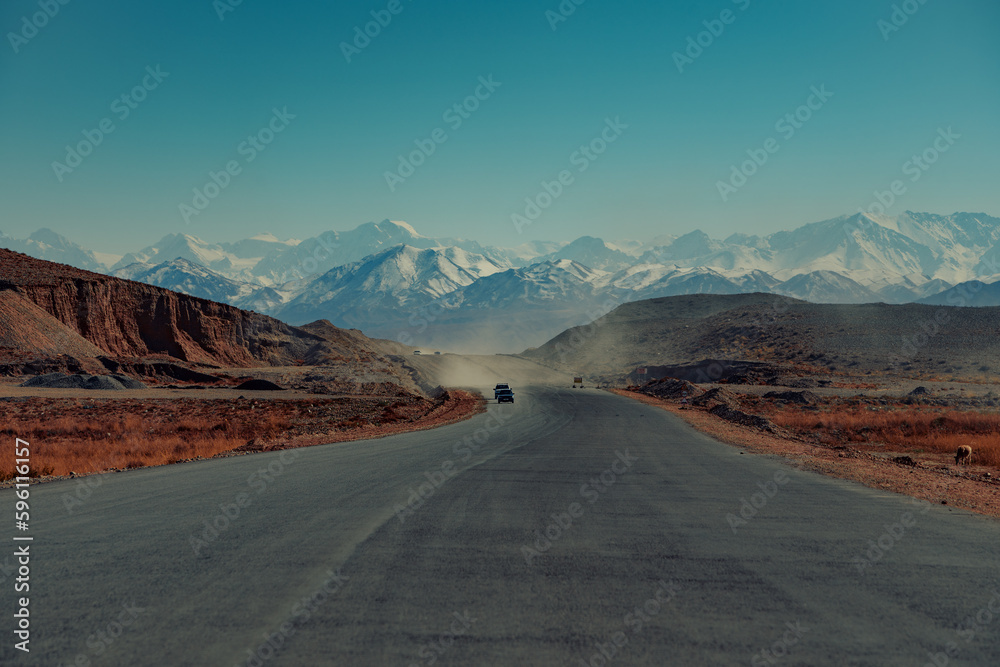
24,327
129,319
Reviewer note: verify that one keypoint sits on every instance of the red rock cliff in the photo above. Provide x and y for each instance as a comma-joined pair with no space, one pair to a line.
130,319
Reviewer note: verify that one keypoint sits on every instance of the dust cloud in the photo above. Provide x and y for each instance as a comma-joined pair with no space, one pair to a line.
482,372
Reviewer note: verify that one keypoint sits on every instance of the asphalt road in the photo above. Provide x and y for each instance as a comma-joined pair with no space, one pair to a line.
581,528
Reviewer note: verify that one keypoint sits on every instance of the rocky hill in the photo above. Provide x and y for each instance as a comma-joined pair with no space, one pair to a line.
915,340
47,306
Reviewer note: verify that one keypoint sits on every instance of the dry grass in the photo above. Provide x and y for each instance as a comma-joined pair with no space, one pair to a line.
905,429
65,444
93,435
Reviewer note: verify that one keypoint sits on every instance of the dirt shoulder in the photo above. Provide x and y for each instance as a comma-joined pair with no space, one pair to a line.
967,489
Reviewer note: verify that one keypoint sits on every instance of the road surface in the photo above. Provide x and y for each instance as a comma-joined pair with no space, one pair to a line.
573,527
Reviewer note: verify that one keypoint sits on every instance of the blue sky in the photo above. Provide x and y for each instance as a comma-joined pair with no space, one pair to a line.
559,84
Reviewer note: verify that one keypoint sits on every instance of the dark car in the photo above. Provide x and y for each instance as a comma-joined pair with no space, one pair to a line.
505,396
501,386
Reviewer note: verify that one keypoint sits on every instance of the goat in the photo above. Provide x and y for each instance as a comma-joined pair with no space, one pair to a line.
964,453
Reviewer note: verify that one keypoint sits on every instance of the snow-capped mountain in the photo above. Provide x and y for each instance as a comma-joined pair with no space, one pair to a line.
171,247
591,252
183,275
317,255
46,244
825,287
550,282
522,255
959,242
448,297
516,309
756,281
855,244
386,284
689,246
258,246
530,252
235,261
908,288
649,281
384,277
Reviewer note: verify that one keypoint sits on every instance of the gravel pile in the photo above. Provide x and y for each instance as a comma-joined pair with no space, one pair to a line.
742,418
129,383
670,388
717,396
259,385
81,381
101,382
43,380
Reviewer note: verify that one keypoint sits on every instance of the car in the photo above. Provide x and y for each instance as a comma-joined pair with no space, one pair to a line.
500,387
505,396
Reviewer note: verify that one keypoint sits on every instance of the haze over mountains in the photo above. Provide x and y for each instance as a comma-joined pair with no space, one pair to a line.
390,281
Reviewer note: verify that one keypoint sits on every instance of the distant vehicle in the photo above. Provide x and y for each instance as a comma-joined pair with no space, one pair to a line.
416,352
437,353
505,396
578,381
500,386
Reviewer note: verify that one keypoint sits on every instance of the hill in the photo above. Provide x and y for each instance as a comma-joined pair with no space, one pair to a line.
26,327
48,306
800,337
971,293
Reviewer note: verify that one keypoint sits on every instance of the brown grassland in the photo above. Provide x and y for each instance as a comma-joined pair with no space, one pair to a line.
83,436
932,431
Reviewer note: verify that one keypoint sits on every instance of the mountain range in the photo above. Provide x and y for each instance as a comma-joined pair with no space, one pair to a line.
390,281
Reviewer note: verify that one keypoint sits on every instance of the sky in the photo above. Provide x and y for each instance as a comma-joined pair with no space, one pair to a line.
123,121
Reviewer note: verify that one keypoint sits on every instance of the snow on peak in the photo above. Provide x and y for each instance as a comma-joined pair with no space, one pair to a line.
268,237
405,225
